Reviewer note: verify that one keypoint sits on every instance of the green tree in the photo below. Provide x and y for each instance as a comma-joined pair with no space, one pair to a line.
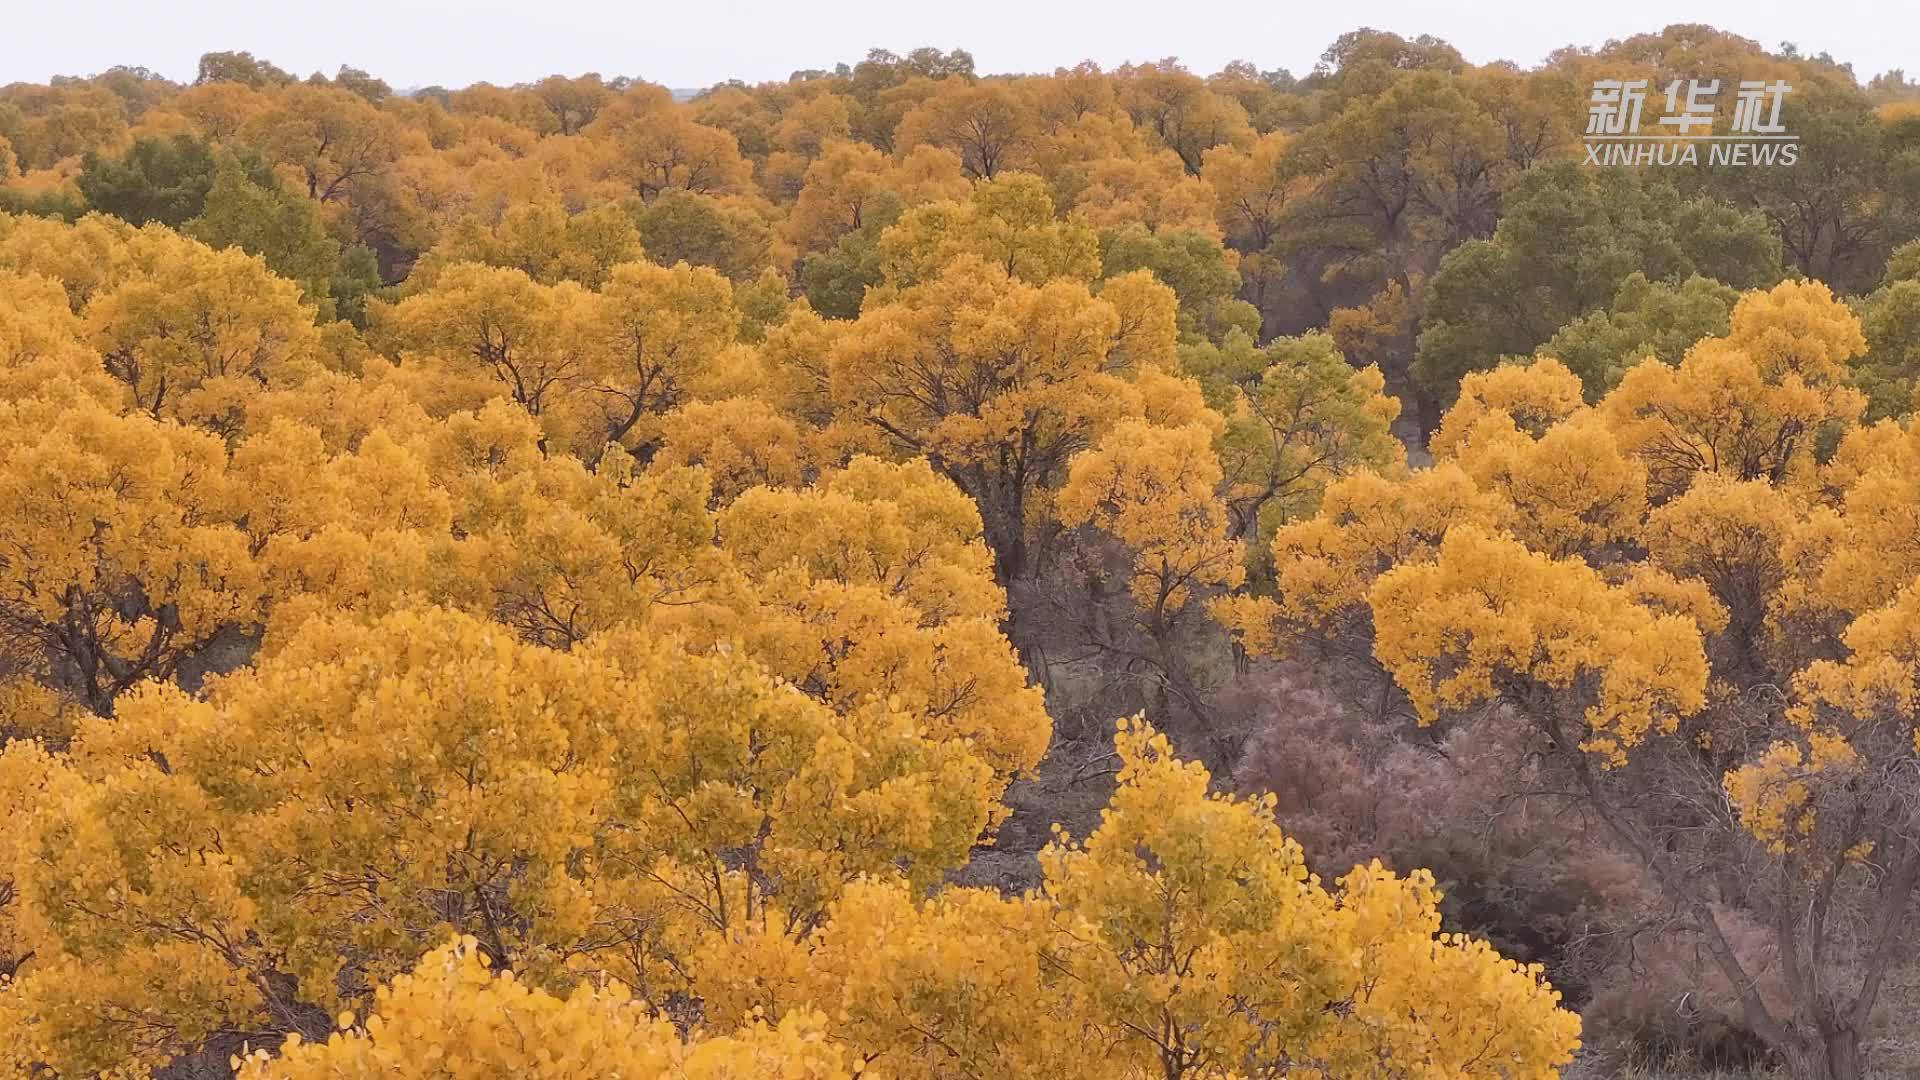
1845,201
1196,266
240,67
284,229
684,226
836,280
1647,318
1569,238
157,179
1890,320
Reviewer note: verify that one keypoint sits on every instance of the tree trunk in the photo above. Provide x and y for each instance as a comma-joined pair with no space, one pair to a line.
1006,536
1845,1058
1831,1055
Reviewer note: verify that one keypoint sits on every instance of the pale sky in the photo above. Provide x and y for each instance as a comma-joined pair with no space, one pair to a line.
694,43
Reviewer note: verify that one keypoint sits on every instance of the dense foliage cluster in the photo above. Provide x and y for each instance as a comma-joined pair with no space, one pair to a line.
868,574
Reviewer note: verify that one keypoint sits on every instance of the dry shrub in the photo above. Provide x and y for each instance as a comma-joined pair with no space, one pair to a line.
1663,1002
1521,865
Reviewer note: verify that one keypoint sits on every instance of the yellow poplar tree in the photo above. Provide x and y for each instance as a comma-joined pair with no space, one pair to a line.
453,1014
324,819
1698,596
123,557
998,382
1183,938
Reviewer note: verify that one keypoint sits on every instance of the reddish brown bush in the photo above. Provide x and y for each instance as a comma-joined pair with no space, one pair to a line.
1520,865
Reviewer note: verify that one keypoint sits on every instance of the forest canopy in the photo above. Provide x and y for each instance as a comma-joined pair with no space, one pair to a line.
910,572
